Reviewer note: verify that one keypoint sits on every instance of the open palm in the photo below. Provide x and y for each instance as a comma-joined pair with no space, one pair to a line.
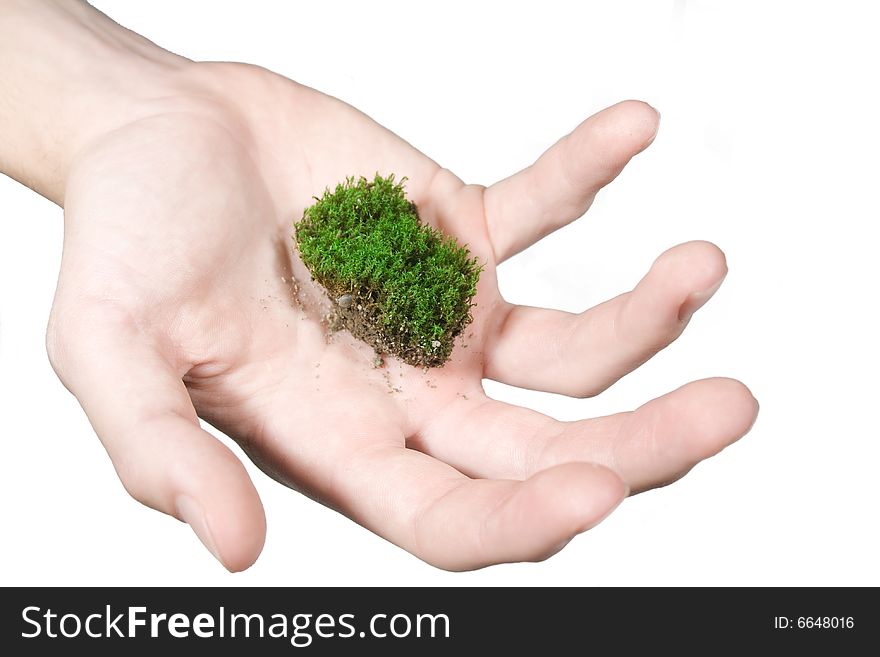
180,296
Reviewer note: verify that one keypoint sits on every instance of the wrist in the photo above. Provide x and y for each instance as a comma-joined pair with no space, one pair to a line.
71,75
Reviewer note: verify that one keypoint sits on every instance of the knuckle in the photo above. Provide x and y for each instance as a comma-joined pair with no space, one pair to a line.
589,388
133,481
59,338
588,391
72,329
153,485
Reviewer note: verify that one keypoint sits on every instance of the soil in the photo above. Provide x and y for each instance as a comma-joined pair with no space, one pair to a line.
359,313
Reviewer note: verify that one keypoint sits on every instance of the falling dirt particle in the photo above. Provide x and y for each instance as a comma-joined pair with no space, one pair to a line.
391,387
378,361
317,364
333,322
283,280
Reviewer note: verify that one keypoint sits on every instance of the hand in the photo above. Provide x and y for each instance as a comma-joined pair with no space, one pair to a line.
180,296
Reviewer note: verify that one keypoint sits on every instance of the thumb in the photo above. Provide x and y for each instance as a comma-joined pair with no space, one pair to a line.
143,415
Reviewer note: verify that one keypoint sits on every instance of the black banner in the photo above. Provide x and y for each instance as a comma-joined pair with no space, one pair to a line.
433,621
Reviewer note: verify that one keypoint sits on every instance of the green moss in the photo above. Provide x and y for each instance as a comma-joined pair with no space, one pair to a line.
411,286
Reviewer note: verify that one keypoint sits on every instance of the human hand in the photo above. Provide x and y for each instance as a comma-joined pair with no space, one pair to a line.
180,296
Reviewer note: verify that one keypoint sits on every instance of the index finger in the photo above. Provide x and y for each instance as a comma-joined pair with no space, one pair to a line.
560,186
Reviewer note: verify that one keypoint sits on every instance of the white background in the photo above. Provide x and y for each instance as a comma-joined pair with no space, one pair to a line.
768,146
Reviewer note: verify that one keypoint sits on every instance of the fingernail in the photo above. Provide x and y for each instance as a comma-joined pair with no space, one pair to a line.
697,300
656,126
191,513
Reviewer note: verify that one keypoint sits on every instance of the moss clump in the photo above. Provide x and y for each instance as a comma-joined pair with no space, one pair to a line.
400,285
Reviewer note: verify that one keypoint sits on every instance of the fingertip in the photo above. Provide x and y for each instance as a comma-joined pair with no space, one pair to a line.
543,513
604,491
244,546
579,495
241,533
627,127
643,119
722,411
741,405
208,487
600,147
701,263
688,275
234,539
234,517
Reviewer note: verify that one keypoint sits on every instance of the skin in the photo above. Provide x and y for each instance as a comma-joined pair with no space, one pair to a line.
180,297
